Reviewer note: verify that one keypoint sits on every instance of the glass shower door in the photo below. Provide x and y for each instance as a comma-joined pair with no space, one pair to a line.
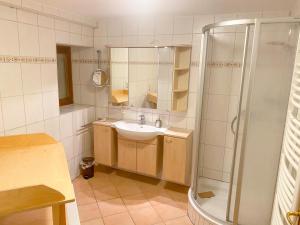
262,124
222,79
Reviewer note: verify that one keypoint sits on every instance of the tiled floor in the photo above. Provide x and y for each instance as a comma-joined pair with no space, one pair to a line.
119,198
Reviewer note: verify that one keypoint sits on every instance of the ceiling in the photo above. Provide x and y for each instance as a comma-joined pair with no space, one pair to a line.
110,8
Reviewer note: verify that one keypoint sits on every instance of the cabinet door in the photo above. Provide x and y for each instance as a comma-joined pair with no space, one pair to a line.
147,159
127,155
174,159
102,145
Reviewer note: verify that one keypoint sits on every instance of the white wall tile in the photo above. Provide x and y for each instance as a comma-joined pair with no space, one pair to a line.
10,79
13,112
27,17
88,31
102,95
49,77
8,13
227,160
50,104
36,128
130,26
10,37
146,26
164,25
213,157
78,144
45,21
75,39
101,29
217,107
32,4
47,42
183,25
16,131
33,108
62,37
75,28
29,40
215,133
200,21
66,125
31,77
114,27
68,147
52,127
87,94
61,25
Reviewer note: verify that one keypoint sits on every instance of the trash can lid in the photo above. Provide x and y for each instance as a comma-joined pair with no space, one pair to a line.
88,159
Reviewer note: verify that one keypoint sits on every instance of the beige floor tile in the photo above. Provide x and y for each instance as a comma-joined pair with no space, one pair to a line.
179,221
134,202
169,211
159,197
100,182
93,222
118,219
85,197
106,193
111,207
89,212
128,188
145,216
81,184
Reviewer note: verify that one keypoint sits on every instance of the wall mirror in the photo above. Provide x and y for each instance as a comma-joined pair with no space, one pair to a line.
150,77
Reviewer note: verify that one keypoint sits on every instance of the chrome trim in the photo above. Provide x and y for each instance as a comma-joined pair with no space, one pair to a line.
237,118
247,114
250,22
228,23
199,109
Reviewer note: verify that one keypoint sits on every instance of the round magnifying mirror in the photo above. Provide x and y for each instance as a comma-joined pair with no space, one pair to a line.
99,77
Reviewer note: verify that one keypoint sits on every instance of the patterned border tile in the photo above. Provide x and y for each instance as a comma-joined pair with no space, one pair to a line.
26,59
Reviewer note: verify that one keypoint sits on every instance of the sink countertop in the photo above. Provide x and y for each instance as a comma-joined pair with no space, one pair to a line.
171,131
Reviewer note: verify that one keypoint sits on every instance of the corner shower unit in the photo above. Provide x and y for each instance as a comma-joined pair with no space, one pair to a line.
246,74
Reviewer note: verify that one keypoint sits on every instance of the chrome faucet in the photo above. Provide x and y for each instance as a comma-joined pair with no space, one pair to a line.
142,119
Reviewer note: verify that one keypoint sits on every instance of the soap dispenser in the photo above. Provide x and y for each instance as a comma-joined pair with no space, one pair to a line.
158,123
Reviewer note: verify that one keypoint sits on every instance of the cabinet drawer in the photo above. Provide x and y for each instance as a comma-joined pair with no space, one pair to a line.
147,159
127,155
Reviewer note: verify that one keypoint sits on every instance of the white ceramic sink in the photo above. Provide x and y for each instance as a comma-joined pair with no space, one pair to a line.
136,131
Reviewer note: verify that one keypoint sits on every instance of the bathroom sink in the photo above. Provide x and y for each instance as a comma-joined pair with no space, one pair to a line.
135,131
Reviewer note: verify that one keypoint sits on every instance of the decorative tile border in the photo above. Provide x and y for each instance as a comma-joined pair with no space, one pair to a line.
194,63
87,61
26,59
224,64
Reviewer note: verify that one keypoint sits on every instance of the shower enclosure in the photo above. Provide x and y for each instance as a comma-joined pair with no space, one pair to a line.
246,71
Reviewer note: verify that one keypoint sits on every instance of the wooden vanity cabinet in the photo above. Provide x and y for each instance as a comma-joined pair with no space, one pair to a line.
127,154
177,159
105,146
144,157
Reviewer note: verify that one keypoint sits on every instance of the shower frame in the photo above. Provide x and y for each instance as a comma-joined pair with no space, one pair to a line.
253,59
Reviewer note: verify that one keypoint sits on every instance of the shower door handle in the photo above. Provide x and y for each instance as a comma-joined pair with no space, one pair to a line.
232,124
289,216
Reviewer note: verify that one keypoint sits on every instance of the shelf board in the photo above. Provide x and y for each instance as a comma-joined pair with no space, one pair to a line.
181,68
180,90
